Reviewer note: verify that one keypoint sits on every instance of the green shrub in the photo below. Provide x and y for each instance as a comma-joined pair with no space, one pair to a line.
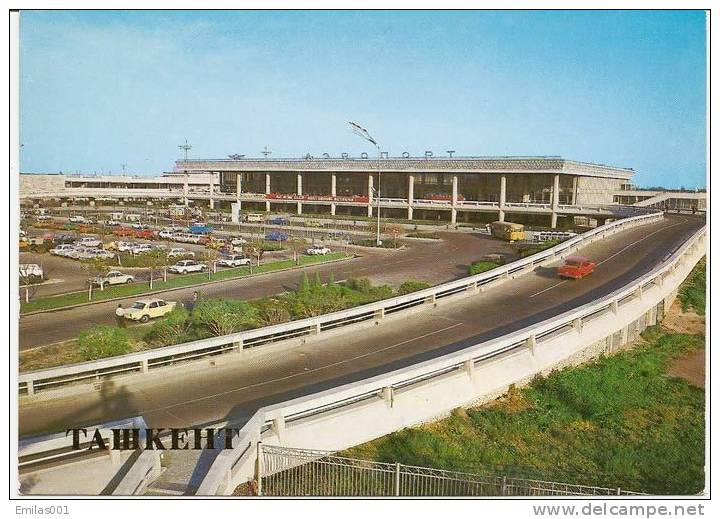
272,311
100,341
412,286
223,316
526,250
174,328
362,285
481,266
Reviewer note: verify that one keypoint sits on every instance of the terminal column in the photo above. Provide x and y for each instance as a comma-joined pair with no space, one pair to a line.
299,192
212,190
267,191
370,194
453,210
238,190
501,205
186,190
333,192
411,196
555,201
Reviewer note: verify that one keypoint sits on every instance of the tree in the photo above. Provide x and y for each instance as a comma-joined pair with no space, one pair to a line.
95,267
224,316
174,328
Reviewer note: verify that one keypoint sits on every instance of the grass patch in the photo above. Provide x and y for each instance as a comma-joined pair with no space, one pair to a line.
133,289
618,422
692,292
478,267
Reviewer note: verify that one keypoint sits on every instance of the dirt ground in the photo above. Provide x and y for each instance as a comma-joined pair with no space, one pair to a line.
692,366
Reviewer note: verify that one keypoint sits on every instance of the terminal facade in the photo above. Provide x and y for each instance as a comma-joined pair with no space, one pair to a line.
543,190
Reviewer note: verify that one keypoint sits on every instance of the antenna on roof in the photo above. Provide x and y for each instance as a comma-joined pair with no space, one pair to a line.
185,147
266,152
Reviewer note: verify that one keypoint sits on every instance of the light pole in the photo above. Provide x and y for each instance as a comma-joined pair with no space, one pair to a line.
362,132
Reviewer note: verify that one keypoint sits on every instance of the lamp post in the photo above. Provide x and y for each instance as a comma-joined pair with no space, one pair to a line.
362,132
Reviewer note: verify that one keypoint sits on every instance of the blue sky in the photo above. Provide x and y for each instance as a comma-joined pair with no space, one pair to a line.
103,88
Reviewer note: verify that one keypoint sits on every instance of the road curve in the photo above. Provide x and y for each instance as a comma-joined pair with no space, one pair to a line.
185,398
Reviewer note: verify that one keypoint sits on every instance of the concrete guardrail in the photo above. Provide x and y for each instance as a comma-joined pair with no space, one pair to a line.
33,382
348,415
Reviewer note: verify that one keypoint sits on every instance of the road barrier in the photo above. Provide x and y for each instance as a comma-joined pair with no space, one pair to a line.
33,382
348,415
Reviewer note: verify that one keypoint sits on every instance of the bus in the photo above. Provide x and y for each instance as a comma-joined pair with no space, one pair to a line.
508,231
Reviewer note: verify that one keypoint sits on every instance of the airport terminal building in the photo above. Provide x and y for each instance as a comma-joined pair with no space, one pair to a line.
542,190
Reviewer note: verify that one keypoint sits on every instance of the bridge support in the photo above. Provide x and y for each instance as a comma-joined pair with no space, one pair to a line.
388,396
530,344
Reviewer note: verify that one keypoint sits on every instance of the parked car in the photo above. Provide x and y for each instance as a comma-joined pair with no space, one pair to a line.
97,253
30,272
63,239
61,249
112,223
239,241
233,261
125,246
114,277
185,266
576,267
147,234
200,228
279,220
44,218
317,250
276,236
146,309
78,219
141,248
179,252
166,234
89,241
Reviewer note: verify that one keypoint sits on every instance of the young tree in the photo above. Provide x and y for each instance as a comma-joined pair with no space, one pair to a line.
95,267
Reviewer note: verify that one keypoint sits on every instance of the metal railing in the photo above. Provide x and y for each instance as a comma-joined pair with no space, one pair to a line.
230,464
31,382
302,472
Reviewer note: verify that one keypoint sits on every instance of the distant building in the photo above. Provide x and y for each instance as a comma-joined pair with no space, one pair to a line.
538,190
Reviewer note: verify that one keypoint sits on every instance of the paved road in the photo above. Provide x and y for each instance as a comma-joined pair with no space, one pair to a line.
236,389
434,262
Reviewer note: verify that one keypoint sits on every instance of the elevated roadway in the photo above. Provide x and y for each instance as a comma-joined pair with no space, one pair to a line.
202,394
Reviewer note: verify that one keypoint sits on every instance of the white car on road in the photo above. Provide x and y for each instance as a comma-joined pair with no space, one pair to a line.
114,277
185,266
318,251
233,261
30,272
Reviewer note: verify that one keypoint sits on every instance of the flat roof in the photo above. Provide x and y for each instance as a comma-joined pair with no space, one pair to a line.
538,164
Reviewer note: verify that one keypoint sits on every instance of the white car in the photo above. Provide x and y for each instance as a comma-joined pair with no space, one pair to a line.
78,219
114,277
62,249
233,261
99,253
166,234
318,251
31,271
239,241
179,251
185,266
44,218
125,246
112,223
79,253
89,241
141,249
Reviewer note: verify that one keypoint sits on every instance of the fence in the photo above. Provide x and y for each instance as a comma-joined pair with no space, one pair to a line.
304,329
302,472
363,410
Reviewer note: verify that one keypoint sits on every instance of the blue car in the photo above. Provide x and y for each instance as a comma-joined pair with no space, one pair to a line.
279,220
276,236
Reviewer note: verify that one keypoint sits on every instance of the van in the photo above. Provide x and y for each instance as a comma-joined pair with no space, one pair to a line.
254,217
508,231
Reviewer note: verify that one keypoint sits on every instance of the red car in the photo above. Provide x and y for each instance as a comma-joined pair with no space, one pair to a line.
145,233
576,267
